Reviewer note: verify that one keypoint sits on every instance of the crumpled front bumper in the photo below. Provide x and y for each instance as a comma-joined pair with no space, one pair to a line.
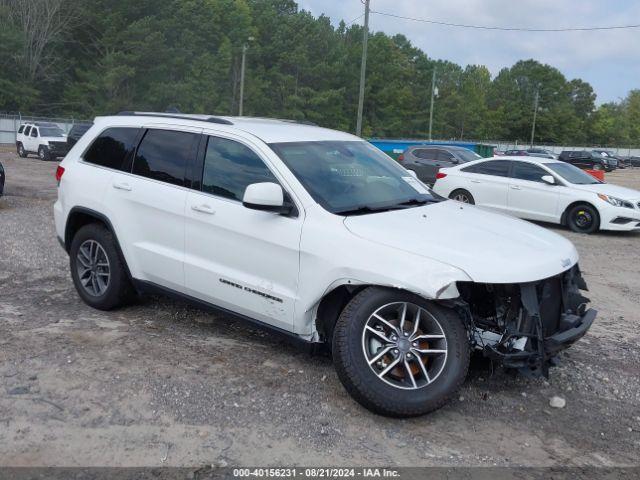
538,361
554,315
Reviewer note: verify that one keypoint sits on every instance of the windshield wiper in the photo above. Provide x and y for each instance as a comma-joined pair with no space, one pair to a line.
415,201
363,209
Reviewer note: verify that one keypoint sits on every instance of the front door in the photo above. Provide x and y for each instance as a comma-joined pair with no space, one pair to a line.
529,196
240,259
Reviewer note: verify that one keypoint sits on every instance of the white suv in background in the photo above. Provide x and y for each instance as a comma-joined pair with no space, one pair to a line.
318,235
47,140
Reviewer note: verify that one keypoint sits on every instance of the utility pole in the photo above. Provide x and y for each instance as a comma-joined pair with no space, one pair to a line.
363,68
535,113
433,93
244,55
242,68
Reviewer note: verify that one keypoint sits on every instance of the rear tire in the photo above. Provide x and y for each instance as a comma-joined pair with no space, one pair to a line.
97,269
405,391
22,153
463,196
583,218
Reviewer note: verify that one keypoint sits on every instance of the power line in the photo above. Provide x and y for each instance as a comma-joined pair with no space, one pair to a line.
355,19
508,29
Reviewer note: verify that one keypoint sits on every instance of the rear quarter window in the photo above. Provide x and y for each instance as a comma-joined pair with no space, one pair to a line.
113,148
164,154
21,129
497,168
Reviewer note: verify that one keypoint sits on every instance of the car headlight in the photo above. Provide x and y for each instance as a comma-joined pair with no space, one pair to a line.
616,202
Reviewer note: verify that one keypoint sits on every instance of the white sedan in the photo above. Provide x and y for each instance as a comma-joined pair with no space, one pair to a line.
544,190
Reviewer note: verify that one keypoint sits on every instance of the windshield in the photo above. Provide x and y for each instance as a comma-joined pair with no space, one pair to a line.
352,177
51,132
572,174
468,155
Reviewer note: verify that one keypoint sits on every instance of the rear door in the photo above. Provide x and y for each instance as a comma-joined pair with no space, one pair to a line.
488,182
240,259
530,197
25,137
149,203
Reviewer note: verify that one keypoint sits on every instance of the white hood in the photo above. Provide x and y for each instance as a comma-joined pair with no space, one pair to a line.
609,189
489,247
55,139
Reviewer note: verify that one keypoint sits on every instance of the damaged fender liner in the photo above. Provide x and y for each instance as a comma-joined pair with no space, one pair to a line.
525,325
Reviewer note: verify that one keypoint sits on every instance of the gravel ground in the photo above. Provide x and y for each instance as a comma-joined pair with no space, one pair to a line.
162,383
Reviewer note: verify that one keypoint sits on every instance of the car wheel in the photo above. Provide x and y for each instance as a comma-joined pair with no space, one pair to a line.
43,153
598,166
97,269
398,354
21,151
583,219
462,196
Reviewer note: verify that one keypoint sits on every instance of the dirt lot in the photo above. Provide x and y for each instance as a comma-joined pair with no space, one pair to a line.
161,383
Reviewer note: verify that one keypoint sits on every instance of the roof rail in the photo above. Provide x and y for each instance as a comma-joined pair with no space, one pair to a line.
222,121
300,122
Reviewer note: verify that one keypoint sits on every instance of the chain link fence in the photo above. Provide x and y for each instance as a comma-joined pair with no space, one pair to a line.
9,124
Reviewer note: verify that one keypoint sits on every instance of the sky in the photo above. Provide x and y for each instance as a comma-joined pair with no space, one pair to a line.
608,60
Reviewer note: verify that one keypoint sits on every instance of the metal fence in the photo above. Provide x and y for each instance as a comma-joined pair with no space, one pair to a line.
9,124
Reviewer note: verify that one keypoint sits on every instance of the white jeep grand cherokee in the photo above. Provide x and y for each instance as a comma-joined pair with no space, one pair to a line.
320,236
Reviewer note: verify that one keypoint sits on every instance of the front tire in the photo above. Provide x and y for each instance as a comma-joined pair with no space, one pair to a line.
462,196
396,367
97,269
43,153
583,219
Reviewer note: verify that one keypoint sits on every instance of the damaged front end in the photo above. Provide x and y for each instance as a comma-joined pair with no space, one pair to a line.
525,325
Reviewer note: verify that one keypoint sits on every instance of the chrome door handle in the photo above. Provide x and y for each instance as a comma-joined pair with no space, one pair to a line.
475,181
203,209
122,186
516,187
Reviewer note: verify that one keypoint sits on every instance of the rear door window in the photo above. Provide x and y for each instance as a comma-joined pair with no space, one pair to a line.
496,168
34,132
27,131
164,154
113,148
528,171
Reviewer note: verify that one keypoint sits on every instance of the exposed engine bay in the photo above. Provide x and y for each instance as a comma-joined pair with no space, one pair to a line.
525,325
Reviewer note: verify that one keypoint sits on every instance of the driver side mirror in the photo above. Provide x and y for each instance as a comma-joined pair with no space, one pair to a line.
266,196
413,173
548,179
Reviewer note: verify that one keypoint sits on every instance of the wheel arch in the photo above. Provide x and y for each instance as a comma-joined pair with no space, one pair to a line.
79,217
333,302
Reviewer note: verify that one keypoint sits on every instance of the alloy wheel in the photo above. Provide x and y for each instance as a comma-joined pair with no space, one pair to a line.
93,268
404,345
461,197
